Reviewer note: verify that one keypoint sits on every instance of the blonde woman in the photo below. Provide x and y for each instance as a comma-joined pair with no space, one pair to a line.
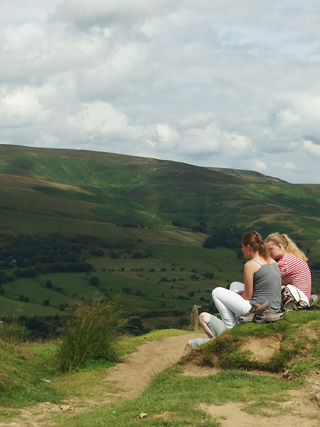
292,262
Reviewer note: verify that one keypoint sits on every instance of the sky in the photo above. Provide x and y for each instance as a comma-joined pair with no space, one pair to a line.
214,83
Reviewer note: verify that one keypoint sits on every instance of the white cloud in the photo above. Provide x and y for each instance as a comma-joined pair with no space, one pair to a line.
312,148
25,106
227,83
259,166
290,166
98,119
200,141
18,38
88,13
212,139
123,72
287,118
167,135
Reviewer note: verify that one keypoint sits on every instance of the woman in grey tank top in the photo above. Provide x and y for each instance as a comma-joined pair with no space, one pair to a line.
262,281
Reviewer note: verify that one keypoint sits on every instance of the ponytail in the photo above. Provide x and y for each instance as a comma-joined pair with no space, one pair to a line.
264,251
288,244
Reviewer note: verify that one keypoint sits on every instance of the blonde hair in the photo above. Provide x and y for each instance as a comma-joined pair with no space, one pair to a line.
288,244
254,239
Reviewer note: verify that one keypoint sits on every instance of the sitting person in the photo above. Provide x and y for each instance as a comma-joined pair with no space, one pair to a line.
212,326
291,261
262,282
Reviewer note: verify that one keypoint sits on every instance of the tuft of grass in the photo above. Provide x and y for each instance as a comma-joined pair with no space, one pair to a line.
91,332
11,332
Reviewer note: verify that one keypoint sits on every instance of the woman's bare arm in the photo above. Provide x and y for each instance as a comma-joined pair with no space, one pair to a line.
248,271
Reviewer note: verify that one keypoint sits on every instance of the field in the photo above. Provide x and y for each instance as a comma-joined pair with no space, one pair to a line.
151,217
173,278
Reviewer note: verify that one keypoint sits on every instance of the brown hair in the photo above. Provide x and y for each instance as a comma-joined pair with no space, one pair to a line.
288,244
254,239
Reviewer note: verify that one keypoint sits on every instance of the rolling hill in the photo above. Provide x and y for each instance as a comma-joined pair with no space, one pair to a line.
146,218
106,187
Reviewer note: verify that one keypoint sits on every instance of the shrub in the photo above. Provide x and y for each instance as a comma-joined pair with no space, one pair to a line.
91,332
11,332
94,281
96,251
136,327
48,284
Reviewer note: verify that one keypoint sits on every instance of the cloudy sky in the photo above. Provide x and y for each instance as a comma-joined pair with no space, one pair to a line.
222,83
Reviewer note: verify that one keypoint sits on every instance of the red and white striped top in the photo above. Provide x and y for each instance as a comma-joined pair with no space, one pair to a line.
296,272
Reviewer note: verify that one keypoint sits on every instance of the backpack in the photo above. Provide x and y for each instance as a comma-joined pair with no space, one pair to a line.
293,299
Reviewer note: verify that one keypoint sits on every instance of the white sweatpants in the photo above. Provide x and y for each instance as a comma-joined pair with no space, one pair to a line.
230,304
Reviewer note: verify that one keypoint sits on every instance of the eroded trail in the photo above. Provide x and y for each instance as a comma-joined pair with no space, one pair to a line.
130,379
134,376
127,380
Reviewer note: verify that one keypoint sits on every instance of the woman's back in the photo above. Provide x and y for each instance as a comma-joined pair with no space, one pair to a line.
267,285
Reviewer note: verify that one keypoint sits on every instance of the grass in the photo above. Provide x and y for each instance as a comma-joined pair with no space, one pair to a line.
11,333
23,374
297,338
130,344
172,399
30,373
12,307
90,332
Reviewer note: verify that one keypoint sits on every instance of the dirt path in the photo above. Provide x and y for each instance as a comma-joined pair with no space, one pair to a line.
134,376
130,378
141,367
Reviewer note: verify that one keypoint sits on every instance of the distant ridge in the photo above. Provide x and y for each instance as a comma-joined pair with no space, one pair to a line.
10,155
145,192
249,174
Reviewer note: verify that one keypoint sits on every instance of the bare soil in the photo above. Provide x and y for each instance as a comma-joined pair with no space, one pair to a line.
135,374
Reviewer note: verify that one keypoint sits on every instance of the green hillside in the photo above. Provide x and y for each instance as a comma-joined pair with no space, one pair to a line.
118,189
147,218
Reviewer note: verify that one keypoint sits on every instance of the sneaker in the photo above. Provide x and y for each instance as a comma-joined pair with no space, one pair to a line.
268,316
255,308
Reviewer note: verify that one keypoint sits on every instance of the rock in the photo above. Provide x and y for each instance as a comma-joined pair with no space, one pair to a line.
317,398
143,415
66,408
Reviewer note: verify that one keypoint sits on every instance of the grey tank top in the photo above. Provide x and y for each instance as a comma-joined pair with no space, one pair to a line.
267,285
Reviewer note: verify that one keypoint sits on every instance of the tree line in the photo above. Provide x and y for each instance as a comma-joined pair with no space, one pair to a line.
228,238
29,256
